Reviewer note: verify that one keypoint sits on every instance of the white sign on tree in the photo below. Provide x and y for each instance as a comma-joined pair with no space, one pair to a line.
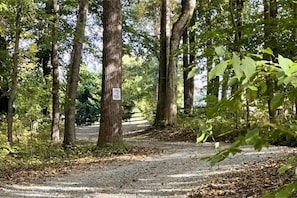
116,93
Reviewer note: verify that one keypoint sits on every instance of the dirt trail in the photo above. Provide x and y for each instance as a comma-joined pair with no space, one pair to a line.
172,174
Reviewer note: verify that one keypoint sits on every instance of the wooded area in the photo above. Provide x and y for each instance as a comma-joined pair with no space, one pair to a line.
221,70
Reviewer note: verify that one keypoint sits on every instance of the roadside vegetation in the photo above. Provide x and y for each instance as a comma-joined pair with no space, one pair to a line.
243,51
33,156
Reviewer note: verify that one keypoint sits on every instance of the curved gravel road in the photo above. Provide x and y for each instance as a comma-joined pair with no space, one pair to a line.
171,174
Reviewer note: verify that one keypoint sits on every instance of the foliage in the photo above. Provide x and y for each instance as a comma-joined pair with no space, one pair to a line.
32,96
138,85
88,97
250,71
35,151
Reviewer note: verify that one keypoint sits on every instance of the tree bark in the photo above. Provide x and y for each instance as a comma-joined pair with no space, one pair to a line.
73,73
55,131
214,84
14,77
236,13
188,60
270,14
186,71
3,81
178,29
111,114
163,62
295,45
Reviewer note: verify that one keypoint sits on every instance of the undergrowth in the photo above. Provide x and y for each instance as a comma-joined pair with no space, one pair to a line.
33,150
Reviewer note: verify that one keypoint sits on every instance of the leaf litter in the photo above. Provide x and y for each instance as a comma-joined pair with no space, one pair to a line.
251,180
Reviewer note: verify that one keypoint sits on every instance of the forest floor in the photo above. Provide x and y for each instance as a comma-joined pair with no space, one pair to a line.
168,168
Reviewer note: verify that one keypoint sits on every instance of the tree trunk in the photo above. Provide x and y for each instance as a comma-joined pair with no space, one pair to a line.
111,113
188,60
236,13
73,73
186,71
14,77
214,84
295,45
270,14
55,131
163,64
3,78
178,29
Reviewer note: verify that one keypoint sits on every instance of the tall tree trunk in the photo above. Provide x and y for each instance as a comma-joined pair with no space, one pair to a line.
14,75
55,131
236,13
270,14
212,85
178,29
188,60
111,113
295,41
186,71
3,79
163,61
44,55
73,73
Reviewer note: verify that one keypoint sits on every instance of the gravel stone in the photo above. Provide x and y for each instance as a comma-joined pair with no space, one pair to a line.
173,173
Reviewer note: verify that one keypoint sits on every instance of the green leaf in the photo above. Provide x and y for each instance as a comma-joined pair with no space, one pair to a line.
218,157
287,166
293,68
256,56
268,196
285,64
294,82
236,63
252,136
205,130
200,138
268,51
215,109
193,72
232,81
235,104
218,70
248,67
286,191
283,192
277,100
220,51
3,7
284,168
262,87
288,80
251,95
253,88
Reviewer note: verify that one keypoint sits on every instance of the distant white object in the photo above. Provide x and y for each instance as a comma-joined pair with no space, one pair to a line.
116,93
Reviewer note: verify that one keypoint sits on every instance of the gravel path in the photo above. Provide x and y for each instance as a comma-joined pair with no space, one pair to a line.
172,174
